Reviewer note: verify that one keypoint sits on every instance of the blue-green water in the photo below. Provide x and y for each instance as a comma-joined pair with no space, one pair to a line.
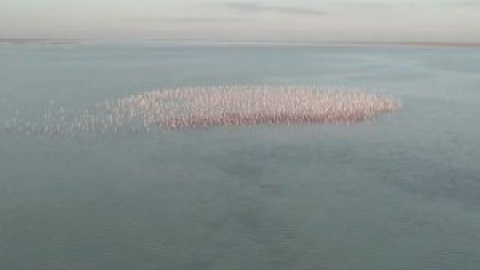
401,192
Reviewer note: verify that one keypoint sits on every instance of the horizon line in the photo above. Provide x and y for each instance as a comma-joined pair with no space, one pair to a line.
66,41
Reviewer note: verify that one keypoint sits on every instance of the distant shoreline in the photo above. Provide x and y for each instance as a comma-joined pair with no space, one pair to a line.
33,41
29,41
418,44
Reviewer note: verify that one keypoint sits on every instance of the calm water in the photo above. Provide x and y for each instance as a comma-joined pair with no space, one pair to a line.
401,192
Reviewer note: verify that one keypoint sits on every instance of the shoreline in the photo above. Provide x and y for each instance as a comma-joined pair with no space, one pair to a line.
33,41
419,44
40,41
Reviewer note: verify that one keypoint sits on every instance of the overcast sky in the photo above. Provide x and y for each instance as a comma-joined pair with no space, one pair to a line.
233,20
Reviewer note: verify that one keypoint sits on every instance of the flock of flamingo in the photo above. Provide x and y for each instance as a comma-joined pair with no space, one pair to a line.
201,107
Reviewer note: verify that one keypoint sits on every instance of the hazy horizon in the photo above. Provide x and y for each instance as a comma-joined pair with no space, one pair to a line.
225,20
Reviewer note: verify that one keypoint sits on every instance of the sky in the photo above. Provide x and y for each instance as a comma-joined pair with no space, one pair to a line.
236,20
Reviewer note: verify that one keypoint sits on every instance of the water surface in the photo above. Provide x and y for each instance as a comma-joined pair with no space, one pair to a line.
399,192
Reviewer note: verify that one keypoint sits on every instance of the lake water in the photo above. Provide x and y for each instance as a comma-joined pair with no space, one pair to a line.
399,192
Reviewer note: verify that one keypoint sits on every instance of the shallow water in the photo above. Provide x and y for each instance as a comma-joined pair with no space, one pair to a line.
399,192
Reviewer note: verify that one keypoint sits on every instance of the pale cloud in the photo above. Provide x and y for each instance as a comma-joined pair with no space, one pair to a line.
364,4
470,3
407,4
190,20
253,7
